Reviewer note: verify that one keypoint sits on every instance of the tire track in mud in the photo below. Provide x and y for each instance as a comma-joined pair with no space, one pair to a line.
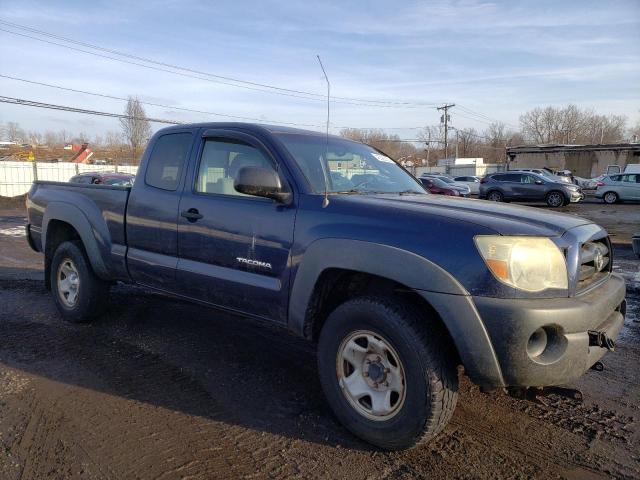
127,382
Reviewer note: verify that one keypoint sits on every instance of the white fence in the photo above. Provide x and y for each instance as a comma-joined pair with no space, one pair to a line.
16,177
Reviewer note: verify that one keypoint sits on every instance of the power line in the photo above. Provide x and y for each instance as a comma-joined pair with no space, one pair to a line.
192,73
480,115
64,108
173,107
113,97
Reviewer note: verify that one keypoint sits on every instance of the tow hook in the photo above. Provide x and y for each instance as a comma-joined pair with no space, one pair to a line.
533,393
600,339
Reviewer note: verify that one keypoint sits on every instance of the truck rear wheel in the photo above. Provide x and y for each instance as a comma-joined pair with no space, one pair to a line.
78,293
388,375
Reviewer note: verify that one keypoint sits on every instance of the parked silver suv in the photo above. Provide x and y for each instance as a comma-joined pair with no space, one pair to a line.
528,187
619,188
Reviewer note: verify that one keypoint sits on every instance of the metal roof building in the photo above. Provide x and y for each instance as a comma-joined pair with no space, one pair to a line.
583,160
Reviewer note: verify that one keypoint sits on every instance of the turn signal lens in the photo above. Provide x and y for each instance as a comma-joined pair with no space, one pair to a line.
532,264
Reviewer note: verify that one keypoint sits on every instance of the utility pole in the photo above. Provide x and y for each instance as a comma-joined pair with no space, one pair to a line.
457,143
428,146
445,119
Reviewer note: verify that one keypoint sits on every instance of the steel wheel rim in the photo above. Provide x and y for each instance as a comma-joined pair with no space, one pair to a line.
371,375
68,283
555,199
610,197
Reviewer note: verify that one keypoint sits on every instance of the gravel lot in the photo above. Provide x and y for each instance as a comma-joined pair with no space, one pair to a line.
158,388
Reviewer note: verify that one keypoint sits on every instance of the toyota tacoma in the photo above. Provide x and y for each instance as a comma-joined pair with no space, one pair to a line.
336,242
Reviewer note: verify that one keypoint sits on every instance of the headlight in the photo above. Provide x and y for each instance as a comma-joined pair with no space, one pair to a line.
532,264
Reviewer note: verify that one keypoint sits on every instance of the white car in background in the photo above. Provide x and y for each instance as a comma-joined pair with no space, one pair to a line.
471,181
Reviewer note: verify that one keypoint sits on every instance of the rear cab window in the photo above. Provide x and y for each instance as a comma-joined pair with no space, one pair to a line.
167,160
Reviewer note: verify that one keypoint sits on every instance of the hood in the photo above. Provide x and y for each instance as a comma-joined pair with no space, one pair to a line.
502,218
459,186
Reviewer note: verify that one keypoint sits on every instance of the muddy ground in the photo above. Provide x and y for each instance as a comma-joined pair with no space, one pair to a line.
162,389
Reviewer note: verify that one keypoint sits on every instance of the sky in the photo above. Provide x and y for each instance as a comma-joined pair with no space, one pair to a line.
494,59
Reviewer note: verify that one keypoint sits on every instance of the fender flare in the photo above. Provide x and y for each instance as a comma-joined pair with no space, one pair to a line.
439,288
95,237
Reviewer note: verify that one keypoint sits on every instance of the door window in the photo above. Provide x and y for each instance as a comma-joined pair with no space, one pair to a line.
528,179
220,163
512,177
167,160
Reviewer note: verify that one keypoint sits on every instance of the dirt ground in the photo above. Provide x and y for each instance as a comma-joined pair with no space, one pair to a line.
158,388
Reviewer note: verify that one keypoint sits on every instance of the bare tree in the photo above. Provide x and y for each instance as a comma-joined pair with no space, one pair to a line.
136,129
468,142
34,138
634,132
571,125
13,132
63,137
392,145
50,138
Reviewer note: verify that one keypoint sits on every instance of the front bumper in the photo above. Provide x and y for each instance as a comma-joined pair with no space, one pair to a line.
576,197
510,324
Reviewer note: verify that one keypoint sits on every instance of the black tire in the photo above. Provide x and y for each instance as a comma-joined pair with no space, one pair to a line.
610,198
555,199
430,371
495,196
91,294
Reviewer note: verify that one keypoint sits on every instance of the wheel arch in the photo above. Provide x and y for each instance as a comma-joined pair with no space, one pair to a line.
63,221
333,270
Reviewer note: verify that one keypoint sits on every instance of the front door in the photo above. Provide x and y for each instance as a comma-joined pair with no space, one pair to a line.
233,248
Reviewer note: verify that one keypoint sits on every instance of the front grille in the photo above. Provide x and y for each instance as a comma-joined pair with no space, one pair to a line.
596,259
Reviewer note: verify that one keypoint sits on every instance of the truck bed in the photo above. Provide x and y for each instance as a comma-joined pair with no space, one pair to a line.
102,206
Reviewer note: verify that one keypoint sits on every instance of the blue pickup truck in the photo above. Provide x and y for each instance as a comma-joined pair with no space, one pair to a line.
336,242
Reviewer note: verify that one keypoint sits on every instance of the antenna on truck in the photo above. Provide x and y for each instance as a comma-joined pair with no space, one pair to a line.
325,164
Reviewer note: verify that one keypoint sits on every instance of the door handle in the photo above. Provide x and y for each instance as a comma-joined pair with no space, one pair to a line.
192,215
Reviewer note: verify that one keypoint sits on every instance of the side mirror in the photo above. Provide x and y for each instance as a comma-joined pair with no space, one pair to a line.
539,182
261,182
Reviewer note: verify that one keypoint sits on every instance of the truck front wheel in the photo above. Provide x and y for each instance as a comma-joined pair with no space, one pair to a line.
387,372
78,293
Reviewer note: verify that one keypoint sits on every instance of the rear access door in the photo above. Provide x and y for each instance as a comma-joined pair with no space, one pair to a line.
234,249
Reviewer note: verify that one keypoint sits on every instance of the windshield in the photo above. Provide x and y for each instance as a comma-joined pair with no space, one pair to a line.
438,182
446,180
350,167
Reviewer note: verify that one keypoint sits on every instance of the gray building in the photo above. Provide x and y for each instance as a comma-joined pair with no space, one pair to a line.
586,161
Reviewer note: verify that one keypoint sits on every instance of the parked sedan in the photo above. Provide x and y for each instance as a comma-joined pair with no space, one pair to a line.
619,188
528,187
438,187
104,178
462,189
470,181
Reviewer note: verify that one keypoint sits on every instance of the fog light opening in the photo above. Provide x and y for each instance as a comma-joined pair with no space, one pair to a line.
537,343
547,344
